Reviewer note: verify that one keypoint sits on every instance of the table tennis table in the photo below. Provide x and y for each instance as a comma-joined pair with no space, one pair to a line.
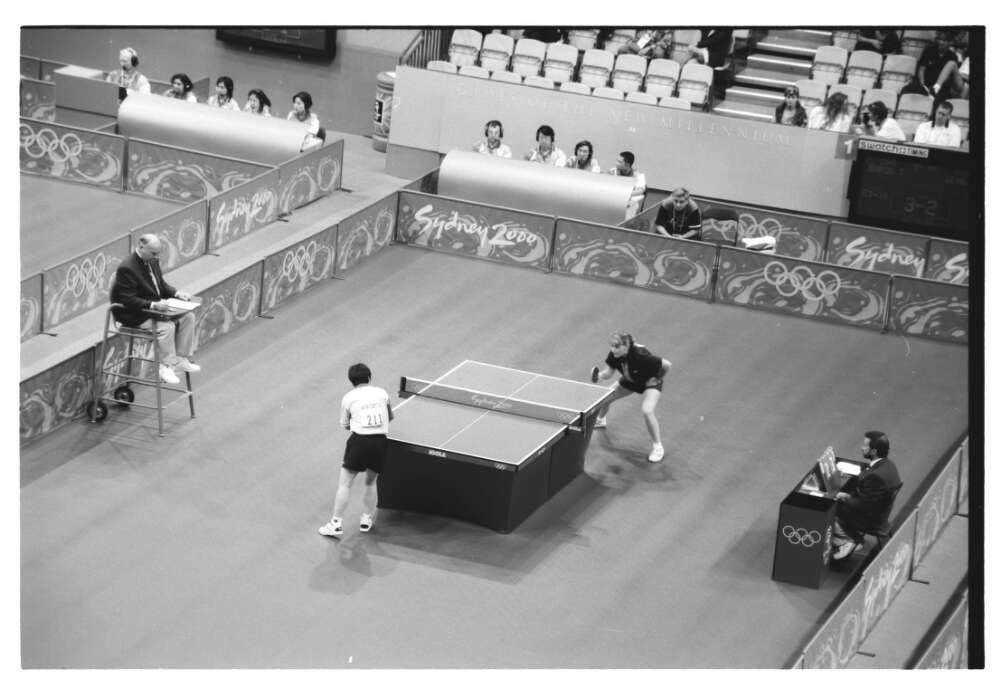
485,443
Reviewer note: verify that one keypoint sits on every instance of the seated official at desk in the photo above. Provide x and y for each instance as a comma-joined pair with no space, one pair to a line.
679,216
493,143
128,76
140,288
865,508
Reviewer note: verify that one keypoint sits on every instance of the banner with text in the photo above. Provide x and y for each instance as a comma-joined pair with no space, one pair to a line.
179,174
948,261
930,309
71,153
838,639
242,209
366,232
634,258
887,573
805,288
795,236
937,506
229,305
83,282
947,650
183,234
294,269
31,306
56,396
38,100
477,230
873,249
310,176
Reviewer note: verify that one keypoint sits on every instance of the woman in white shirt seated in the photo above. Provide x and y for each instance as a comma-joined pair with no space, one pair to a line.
832,116
583,157
180,88
302,112
257,102
224,94
875,121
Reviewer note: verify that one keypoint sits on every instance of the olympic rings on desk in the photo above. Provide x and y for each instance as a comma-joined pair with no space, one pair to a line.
800,536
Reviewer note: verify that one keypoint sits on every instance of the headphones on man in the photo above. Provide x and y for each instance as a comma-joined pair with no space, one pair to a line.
493,123
133,55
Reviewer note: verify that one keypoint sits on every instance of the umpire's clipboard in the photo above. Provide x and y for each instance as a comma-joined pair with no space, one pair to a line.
177,307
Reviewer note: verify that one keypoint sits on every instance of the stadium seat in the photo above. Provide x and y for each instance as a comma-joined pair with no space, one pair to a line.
574,87
582,38
608,93
474,71
674,102
506,76
898,70
863,69
912,43
496,52
661,77
443,66
528,56
641,98
886,96
560,62
683,39
596,67
811,93
619,37
628,73
845,39
960,115
853,96
912,110
695,84
464,47
829,63
539,81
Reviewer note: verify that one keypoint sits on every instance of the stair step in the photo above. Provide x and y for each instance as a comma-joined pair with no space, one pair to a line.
755,96
817,37
739,109
799,67
759,77
788,47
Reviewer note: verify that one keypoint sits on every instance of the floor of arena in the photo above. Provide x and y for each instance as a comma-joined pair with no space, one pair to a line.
199,550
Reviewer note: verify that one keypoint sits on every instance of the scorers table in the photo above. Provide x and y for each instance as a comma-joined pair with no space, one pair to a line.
485,443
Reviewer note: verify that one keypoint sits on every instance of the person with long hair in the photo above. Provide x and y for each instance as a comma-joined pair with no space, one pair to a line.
833,116
791,111
583,157
224,94
257,102
302,112
180,88
876,122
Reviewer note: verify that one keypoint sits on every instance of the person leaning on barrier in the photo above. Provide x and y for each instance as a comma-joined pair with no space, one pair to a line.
625,167
939,131
679,216
258,103
493,143
875,121
583,157
223,97
140,288
128,76
180,88
791,111
302,112
545,151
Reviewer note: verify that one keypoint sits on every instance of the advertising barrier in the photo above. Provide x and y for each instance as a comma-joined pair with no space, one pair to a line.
242,209
71,153
56,396
48,69
31,67
948,261
930,309
874,249
228,305
947,649
937,506
183,234
805,288
363,234
38,100
425,184
886,574
180,174
838,639
31,306
294,269
639,259
310,176
83,282
795,236
476,230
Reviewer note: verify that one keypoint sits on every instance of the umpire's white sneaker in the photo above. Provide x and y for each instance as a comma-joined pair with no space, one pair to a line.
657,453
367,520
186,365
844,550
601,422
334,528
168,375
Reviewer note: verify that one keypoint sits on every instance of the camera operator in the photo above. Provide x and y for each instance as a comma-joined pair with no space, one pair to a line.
875,122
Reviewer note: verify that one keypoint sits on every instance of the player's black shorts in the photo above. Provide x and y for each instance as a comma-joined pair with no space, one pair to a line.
652,382
365,452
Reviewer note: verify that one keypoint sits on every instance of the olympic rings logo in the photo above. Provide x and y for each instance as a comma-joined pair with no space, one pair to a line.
800,535
46,141
802,280
299,263
85,276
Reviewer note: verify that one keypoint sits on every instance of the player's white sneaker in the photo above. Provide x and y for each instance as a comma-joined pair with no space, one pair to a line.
334,528
367,520
657,453
601,422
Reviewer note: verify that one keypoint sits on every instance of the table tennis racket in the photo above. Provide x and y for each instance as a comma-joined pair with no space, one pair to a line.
595,371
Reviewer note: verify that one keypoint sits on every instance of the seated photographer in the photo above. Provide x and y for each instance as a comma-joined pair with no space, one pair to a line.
875,122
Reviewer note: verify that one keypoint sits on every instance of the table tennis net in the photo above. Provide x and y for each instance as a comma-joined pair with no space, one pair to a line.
408,386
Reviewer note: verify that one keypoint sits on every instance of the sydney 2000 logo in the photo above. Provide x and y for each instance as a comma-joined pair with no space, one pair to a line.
430,227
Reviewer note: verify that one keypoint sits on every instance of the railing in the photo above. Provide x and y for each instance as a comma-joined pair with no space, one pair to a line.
429,44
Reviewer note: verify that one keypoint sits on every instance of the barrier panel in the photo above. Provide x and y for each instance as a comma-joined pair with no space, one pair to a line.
795,236
294,269
31,306
463,227
361,235
183,234
948,261
242,209
38,100
887,573
310,176
948,648
930,309
82,283
425,184
181,174
56,396
228,305
31,67
833,646
641,259
963,474
804,288
48,69
71,153
937,506
875,249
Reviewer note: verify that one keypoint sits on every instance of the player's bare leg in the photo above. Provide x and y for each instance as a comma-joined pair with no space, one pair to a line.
649,399
619,393
369,500
335,527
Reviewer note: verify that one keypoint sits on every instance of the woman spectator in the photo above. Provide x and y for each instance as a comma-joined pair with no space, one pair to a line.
791,111
257,102
224,94
180,88
832,116
583,158
302,112
875,121
128,76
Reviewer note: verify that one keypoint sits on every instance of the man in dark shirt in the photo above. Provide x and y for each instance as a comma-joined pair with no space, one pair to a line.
679,216
937,68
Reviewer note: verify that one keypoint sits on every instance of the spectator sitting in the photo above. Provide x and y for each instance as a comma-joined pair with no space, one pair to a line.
939,131
832,116
875,121
650,43
713,48
937,70
492,144
180,88
128,76
583,157
626,168
257,102
791,111
875,40
679,216
224,94
963,73
545,150
302,112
